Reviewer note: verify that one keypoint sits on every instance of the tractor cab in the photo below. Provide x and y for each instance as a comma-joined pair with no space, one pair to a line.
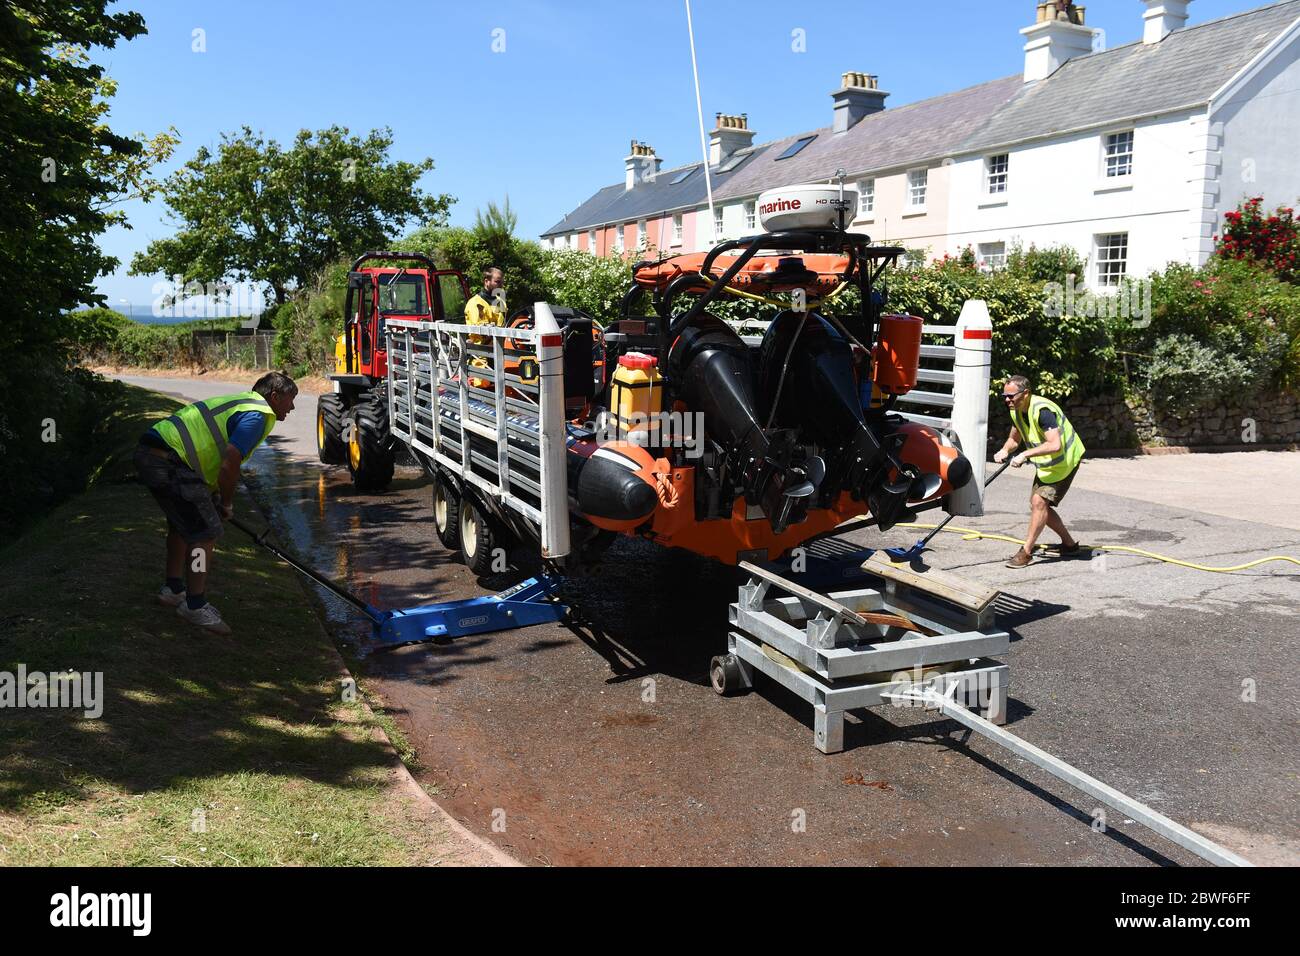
352,421
376,293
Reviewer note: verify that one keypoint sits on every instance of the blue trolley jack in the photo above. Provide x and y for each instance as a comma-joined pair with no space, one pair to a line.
527,603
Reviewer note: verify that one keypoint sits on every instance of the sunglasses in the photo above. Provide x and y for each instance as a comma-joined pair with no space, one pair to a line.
1009,395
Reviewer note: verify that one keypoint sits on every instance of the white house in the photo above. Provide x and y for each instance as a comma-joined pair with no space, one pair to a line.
1132,155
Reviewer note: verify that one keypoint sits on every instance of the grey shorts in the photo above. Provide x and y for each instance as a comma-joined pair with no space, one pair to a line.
1054,492
184,497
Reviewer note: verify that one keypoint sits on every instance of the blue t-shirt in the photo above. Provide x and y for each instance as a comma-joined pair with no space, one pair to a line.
245,430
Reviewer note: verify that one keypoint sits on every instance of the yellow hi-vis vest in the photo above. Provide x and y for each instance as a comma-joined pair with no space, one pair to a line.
198,433
1058,466
480,310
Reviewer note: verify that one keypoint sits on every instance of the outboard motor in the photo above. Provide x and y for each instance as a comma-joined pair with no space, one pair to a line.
712,372
806,372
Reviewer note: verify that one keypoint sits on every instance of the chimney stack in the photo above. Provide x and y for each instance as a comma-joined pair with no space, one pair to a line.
642,164
1162,18
859,95
1059,35
731,134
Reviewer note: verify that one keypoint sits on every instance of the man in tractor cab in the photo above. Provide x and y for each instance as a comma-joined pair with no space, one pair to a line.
190,463
487,306
1055,449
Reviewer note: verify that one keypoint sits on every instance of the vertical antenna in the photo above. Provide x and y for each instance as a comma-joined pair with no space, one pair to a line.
699,110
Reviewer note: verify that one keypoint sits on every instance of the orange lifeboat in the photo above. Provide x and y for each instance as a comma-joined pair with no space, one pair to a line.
817,275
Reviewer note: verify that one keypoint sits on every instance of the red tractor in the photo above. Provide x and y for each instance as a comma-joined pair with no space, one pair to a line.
352,421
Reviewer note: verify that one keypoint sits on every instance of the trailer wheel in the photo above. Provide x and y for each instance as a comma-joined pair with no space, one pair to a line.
446,513
369,443
725,675
330,447
477,542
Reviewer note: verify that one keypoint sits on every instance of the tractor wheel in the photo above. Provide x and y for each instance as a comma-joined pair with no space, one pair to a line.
446,513
477,542
330,446
370,445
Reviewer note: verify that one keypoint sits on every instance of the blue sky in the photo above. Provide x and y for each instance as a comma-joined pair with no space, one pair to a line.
548,120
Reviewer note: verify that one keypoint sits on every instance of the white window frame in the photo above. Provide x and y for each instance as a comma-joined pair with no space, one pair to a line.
641,234
1104,275
719,220
991,260
677,229
915,188
997,181
1114,160
751,216
619,242
867,199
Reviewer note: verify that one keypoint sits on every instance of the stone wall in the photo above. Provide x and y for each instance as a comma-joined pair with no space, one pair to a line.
1109,422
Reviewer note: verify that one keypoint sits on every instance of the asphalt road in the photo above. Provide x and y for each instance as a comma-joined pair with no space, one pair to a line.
601,742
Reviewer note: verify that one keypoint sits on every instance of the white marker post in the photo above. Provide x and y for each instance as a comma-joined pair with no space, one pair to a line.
549,343
971,369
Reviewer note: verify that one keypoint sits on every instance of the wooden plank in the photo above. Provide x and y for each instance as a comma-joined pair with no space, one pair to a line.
803,593
943,584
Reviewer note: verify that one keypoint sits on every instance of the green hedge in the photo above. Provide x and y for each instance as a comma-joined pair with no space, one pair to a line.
108,337
1232,326
52,438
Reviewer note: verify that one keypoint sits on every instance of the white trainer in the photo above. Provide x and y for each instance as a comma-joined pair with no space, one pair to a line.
170,598
206,617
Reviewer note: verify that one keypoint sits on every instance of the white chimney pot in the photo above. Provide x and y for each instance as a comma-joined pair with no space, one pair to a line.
1162,18
1049,43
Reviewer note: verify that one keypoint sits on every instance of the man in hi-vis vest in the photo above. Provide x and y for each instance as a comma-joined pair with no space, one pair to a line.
486,307
1055,449
190,464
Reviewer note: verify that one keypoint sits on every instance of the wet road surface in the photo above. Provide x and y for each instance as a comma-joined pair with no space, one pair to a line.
599,741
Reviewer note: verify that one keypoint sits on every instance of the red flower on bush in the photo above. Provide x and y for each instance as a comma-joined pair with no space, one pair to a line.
1272,241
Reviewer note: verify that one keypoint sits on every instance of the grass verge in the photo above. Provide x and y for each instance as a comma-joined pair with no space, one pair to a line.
209,750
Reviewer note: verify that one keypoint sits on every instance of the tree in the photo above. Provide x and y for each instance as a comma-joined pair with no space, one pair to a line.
63,168
254,210
490,242
62,171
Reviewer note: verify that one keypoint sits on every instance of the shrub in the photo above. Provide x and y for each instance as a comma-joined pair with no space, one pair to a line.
1238,311
1062,355
595,284
91,331
1049,264
310,322
1272,241
1184,375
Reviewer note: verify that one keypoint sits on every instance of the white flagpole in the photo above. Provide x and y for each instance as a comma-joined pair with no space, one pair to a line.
699,110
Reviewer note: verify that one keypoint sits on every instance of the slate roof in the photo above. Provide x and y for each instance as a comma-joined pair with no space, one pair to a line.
1184,69
894,137
617,203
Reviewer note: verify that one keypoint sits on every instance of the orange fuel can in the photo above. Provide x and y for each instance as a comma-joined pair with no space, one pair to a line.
897,354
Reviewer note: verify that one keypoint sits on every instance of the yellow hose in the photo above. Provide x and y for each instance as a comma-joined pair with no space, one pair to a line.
810,305
970,534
